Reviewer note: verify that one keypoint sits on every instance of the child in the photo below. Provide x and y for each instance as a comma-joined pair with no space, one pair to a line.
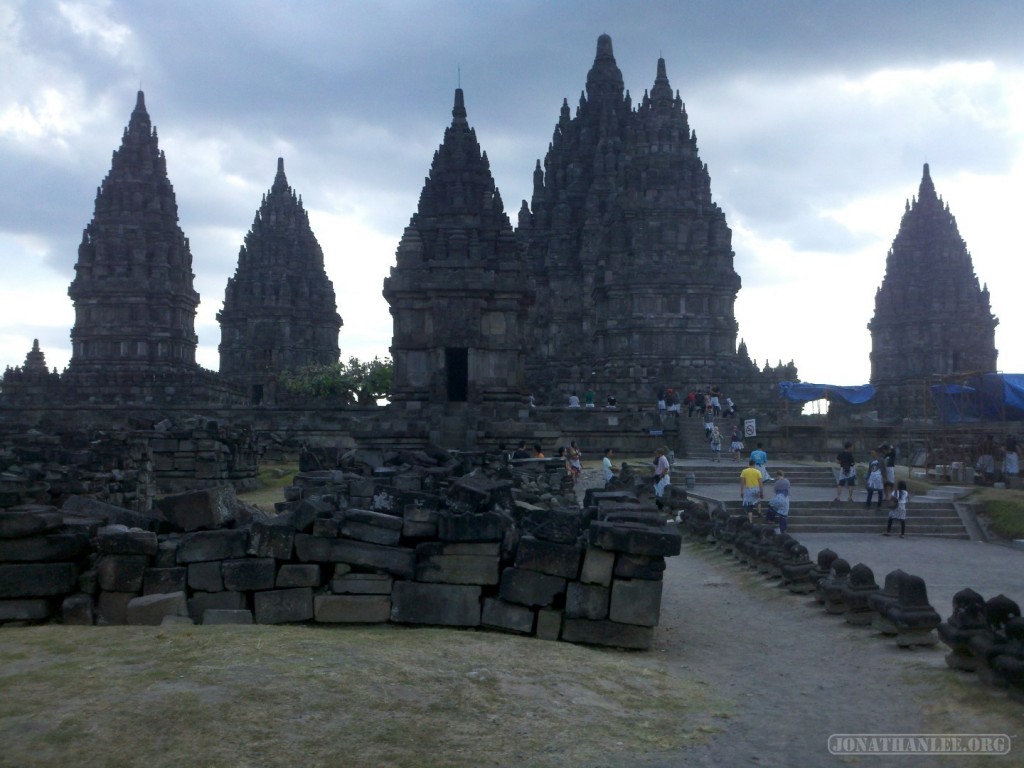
899,510
779,503
716,444
874,482
736,444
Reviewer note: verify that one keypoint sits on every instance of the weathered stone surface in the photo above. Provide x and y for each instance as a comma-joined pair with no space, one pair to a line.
636,539
44,549
598,565
78,610
362,584
367,517
112,607
548,557
212,545
206,576
150,610
458,563
530,587
82,506
549,624
480,526
122,573
586,601
167,552
121,540
29,520
639,567
279,606
25,610
507,616
352,609
444,604
157,581
395,560
194,510
307,511
222,616
201,602
374,534
607,633
298,575
271,539
249,574
636,602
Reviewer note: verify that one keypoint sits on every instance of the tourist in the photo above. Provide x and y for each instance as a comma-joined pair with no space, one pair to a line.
588,397
532,401
760,458
575,459
661,402
661,475
691,403
779,503
672,398
728,407
606,465
986,465
735,443
574,400
612,402
888,453
716,403
847,472
520,452
563,454
709,424
898,510
1011,462
874,480
716,444
537,452
751,485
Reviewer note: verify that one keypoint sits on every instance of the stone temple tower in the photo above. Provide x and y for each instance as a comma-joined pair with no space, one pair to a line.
458,291
279,308
633,259
932,319
134,301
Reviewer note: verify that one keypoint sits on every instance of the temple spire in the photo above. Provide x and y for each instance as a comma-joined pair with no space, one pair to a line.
280,180
459,110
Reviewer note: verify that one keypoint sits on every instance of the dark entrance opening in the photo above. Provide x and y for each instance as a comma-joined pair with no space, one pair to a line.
456,368
257,394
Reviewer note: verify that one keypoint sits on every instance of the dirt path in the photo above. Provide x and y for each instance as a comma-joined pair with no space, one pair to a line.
792,675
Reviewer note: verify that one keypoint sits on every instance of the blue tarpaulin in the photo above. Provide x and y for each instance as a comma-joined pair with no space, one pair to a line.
986,397
801,392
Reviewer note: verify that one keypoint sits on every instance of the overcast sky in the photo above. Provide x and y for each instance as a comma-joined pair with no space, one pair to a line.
814,117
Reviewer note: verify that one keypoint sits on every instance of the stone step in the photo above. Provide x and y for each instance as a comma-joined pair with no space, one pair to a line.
931,519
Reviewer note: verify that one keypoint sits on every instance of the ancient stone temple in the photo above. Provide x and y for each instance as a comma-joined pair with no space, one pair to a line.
632,258
932,319
134,334
279,308
458,292
32,382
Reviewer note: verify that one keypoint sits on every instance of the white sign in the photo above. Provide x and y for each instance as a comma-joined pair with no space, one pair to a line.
750,428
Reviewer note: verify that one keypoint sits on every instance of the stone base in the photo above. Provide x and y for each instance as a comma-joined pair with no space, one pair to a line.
607,633
959,661
860,618
883,625
910,639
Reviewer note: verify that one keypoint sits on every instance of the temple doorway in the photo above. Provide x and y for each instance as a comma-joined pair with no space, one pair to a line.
456,367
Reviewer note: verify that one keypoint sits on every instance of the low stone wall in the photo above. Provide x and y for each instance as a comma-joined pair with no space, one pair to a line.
423,543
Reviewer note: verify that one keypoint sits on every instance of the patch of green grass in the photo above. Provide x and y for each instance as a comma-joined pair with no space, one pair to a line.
1006,517
311,696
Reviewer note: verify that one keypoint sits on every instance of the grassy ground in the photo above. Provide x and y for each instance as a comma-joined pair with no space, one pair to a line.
295,695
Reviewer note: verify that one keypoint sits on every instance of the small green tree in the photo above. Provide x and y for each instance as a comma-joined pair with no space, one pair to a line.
354,381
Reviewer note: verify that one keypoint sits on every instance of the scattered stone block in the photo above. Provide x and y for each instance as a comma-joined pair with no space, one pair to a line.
598,566
221,616
194,510
561,560
549,624
636,601
271,539
636,538
639,567
157,581
352,609
50,548
507,616
586,601
29,520
249,574
122,573
25,610
150,610
607,633
212,545
482,526
362,584
530,587
398,561
280,606
200,602
298,575
453,605
120,540
206,576
458,563
78,610
110,514
112,607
